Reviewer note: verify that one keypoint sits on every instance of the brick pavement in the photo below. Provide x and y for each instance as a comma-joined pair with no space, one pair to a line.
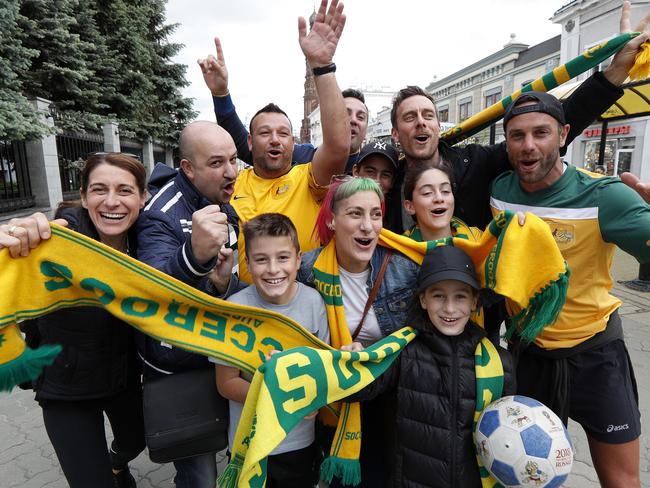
27,459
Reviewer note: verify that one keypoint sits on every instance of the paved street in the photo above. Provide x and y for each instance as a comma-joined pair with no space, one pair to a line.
27,459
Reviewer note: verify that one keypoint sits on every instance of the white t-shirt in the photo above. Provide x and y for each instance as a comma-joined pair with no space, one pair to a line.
308,309
355,297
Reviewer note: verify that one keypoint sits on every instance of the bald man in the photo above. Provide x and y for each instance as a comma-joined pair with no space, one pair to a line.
185,230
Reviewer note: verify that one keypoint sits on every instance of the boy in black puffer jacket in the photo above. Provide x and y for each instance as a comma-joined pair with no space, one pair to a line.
433,382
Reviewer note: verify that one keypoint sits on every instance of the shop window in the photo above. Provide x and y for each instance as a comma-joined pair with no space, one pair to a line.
617,160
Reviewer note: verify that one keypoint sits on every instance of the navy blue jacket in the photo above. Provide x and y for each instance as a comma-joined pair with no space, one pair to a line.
165,231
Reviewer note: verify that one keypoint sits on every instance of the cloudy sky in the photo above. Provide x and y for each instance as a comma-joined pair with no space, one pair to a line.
385,43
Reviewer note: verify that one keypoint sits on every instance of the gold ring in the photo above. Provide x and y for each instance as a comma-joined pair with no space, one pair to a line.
11,230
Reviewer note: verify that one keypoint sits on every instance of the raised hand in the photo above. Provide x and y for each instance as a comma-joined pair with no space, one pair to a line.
222,272
215,73
623,60
320,44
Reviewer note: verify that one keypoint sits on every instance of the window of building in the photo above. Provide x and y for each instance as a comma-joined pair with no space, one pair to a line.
443,114
492,98
464,110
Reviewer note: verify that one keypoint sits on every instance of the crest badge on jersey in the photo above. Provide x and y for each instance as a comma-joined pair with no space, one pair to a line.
564,234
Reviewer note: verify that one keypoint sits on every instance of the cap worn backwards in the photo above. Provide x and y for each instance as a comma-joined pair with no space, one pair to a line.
543,102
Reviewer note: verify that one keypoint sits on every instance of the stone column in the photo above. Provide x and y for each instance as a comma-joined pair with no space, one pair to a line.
112,137
147,156
169,157
43,160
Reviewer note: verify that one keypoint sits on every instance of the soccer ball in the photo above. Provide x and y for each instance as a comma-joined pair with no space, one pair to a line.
523,443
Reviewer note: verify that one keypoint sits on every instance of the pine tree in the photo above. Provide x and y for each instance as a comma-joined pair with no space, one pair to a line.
18,117
97,60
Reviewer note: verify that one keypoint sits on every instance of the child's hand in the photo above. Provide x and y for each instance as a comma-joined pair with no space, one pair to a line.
354,347
271,353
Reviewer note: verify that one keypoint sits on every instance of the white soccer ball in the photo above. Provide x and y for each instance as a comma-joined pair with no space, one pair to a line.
523,443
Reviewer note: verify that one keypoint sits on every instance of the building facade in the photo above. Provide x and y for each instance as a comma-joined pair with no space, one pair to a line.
485,82
587,23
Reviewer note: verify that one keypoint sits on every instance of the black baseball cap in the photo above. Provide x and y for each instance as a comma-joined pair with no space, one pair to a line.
446,263
386,149
544,102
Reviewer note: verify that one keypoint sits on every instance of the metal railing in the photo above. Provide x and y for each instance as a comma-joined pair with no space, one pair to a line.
132,148
15,185
73,149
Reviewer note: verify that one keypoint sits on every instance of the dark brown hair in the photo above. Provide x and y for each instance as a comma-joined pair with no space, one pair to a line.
413,175
403,94
122,161
270,225
269,108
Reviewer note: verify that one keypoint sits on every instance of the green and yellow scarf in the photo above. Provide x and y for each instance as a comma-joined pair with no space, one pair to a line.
297,382
503,260
71,270
589,59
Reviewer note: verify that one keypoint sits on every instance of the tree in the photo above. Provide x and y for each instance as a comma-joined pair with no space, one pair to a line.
97,60
18,117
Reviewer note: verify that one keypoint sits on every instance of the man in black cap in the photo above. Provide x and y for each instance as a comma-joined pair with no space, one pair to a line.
378,161
578,366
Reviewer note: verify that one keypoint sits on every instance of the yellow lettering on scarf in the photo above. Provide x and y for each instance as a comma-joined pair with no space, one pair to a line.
302,383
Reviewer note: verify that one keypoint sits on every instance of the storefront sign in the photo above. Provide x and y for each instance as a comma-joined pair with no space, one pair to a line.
611,131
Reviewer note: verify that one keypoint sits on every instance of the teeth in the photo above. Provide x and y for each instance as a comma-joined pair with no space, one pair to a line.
112,215
275,281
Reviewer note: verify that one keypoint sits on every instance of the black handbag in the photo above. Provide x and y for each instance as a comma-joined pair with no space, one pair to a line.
184,416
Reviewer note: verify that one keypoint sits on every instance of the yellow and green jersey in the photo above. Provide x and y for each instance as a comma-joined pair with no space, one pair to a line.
588,215
294,194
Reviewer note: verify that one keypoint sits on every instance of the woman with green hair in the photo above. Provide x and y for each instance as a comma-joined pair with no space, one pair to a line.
367,289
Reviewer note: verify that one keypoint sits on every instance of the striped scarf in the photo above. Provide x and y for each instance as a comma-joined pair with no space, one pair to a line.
72,270
297,382
590,58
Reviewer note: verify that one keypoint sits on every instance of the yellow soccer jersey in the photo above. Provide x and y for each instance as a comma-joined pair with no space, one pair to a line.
588,215
294,194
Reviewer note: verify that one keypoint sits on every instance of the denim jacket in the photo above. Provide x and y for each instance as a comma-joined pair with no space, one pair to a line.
396,291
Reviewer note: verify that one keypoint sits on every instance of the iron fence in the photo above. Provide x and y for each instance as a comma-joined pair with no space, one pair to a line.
159,157
15,185
131,147
73,149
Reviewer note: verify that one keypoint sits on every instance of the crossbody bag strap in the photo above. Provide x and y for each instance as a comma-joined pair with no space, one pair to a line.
373,293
